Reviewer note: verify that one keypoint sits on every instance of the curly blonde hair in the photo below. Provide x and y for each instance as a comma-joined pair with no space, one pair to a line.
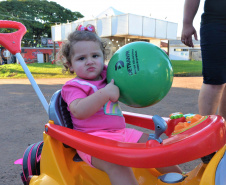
73,38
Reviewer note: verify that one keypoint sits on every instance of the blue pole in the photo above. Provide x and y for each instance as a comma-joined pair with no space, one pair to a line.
33,82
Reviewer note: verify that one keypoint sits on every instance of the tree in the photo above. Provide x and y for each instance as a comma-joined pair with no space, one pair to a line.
37,15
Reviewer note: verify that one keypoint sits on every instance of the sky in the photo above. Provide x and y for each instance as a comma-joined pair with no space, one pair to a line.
169,10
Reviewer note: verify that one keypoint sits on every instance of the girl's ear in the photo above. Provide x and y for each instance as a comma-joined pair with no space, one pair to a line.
70,67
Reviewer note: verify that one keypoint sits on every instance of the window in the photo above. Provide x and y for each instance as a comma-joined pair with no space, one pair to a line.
180,49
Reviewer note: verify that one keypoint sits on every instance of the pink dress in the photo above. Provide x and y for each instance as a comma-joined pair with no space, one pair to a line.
108,122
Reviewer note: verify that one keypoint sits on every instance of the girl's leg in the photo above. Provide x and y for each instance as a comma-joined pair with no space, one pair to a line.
176,168
118,174
170,169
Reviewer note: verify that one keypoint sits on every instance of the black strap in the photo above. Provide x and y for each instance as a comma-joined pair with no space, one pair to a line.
36,151
25,162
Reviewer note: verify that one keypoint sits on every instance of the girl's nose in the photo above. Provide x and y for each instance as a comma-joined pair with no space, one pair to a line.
89,61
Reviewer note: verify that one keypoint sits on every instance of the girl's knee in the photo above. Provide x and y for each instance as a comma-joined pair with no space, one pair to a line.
104,165
124,174
115,169
109,168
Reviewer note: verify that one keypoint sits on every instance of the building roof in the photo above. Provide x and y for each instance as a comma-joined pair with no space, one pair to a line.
178,42
112,22
109,12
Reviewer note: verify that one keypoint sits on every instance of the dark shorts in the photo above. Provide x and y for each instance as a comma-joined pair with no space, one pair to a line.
213,47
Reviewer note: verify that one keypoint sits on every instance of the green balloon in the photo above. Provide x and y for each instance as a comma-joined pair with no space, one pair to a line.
143,73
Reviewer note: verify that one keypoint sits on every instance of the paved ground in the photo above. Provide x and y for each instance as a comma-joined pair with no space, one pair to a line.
22,117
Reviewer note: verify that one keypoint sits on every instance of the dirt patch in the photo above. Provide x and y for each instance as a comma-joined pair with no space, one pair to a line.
188,82
182,82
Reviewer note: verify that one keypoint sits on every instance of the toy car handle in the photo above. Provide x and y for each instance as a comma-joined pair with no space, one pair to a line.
12,42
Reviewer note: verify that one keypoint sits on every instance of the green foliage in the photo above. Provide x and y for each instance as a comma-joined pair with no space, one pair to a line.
44,70
48,70
37,15
187,68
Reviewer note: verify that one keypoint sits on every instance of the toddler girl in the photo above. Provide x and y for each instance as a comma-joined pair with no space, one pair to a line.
87,97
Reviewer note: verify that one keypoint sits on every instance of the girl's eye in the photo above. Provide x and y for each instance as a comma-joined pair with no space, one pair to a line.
95,56
81,58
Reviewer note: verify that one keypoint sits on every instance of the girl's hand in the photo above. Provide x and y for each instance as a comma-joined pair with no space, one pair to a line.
112,91
85,107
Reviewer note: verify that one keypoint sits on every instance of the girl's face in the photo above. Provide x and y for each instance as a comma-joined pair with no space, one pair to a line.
88,60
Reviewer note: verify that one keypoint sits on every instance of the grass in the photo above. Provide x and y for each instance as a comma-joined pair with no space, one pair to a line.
44,70
187,68
48,70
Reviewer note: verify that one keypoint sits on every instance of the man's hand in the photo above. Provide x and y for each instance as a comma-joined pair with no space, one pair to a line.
187,32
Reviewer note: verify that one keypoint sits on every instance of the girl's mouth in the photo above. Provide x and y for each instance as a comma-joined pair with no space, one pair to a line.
91,69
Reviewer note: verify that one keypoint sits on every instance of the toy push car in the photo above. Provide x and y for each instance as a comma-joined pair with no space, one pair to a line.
189,137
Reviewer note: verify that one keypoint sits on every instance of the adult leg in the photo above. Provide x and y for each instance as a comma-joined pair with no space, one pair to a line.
118,174
222,106
214,66
209,98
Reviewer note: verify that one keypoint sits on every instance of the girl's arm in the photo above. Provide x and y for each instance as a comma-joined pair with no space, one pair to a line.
86,107
190,10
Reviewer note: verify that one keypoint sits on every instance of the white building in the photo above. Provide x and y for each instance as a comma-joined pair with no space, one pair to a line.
119,28
178,51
